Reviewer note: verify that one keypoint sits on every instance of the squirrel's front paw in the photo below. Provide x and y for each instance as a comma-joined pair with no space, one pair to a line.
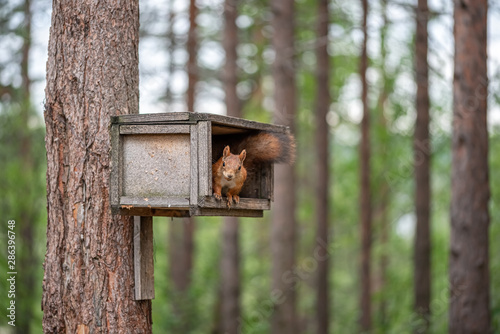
236,199
229,200
217,196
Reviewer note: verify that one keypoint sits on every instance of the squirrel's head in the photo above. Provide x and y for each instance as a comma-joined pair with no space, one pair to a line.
232,163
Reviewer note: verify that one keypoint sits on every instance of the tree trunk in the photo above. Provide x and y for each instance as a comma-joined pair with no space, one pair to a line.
421,147
230,269
230,277
192,68
469,245
192,64
322,172
284,284
380,211
27,261
25,52
172,46
181,242
92,74
177,257
365,196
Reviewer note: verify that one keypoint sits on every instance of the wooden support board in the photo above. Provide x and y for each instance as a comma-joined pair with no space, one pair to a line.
143,258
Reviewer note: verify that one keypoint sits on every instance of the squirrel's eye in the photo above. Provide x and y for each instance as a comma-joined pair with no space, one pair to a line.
239,168
223,164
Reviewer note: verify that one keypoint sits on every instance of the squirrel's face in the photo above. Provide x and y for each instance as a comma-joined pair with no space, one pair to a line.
232,163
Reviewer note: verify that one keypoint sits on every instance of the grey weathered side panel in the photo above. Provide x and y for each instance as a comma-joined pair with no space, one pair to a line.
193,198
143,258
204,158
156,165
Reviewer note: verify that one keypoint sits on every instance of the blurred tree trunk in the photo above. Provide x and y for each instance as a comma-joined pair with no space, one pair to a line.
172,45
92,74
365,196
284,284
469,245
322,172
421,147
181,240
230,267
192,68
381,203
25,52
30,214
192,49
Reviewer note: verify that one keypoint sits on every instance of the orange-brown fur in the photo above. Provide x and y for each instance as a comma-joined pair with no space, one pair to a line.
229,173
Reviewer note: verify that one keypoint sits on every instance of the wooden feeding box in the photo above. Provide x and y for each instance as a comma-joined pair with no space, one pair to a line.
162,165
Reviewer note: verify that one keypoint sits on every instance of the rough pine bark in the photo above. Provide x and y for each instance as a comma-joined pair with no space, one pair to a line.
230,262
469,310
284,283
322,172
92,74
365,195
421,148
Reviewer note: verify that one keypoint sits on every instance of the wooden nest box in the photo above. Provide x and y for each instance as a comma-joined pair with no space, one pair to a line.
162,165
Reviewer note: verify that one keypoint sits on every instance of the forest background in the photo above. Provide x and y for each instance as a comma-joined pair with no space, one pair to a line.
163,85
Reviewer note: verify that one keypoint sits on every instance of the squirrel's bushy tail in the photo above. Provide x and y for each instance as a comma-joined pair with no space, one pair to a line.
270,147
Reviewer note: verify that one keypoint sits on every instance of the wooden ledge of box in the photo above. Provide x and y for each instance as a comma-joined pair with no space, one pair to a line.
210,202
195,117
195,211
180,207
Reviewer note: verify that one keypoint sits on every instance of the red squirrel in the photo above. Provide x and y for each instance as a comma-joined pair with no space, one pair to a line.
229,172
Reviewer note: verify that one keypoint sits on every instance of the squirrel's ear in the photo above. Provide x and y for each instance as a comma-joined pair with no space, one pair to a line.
243,155
227,152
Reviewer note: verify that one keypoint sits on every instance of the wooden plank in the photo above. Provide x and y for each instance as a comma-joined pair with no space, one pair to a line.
115,166
141,211
143,258
154,202
239,122
210,202
129,129
193,197
227,130
266,181
229,213
151,118
204,158
271,183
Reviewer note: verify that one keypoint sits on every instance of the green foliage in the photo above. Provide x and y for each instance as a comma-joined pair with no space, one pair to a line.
22,185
